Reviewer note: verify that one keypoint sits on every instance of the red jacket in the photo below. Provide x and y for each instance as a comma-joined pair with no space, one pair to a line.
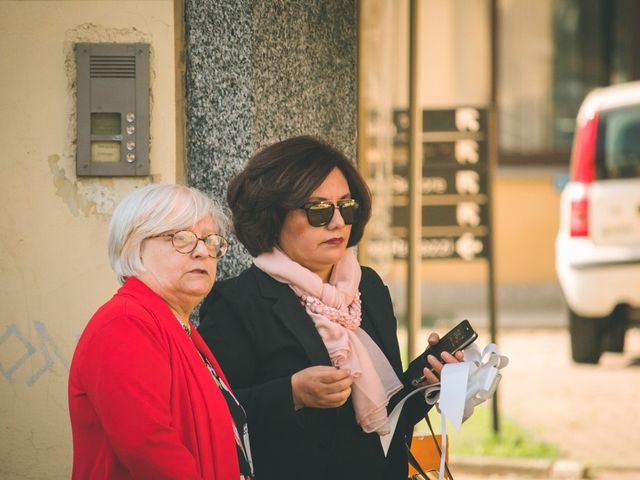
142,402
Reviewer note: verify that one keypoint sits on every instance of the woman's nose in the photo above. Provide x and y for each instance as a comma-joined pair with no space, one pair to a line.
201,249
336,221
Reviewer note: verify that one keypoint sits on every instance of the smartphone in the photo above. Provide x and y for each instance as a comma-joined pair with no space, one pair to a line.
456,339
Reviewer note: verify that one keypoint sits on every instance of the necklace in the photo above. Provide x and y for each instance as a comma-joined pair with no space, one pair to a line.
185,326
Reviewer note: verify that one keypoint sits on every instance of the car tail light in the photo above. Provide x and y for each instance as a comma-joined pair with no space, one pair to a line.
583,173
584,150
579,222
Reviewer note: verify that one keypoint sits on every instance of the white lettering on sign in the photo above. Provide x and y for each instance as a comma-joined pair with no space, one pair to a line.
434,185
466,151
467,182
467,119
468,214
437,247
468,246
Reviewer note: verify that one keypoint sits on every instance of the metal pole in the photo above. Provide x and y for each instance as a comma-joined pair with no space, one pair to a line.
493,157
361,145
414,256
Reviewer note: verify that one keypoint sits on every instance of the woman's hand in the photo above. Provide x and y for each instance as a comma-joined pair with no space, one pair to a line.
321,387
432,375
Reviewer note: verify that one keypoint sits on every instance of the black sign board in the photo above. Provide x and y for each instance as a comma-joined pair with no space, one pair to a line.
462,214
462,119
466,246
462,152
448,180
455,217
451,181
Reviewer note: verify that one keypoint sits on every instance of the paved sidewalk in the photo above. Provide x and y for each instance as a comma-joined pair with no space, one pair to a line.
590,411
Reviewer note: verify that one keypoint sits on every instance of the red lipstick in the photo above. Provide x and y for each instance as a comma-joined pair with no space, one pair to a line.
335,241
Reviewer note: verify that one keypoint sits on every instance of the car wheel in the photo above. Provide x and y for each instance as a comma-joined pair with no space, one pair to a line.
586,339
615,330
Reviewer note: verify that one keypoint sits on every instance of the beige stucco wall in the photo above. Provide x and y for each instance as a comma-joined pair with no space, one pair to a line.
53,262
527,210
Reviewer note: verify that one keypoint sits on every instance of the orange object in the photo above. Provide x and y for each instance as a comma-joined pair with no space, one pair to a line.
424,449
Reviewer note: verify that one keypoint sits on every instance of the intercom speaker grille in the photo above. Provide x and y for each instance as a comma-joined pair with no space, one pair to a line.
112,66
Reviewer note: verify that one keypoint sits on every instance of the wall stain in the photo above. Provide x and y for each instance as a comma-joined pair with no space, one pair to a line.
67,189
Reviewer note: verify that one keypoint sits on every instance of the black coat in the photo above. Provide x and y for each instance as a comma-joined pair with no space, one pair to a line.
261,335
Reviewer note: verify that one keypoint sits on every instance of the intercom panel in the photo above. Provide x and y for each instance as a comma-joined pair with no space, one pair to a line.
112,109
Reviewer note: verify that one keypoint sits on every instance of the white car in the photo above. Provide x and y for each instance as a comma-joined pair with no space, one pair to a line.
598,244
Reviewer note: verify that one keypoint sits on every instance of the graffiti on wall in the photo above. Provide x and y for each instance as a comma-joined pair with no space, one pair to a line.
22,349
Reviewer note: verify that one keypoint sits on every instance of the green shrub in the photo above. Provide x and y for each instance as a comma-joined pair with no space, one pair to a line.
476,437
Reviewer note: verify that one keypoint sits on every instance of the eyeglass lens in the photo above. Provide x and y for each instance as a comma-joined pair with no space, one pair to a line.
321,213
186,241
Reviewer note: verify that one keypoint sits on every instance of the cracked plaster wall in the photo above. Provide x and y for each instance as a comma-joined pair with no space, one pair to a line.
54,270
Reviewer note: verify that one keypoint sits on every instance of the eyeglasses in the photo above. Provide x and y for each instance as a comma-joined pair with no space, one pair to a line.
185,241
321,212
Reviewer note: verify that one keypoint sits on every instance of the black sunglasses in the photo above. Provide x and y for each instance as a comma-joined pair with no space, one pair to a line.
321,212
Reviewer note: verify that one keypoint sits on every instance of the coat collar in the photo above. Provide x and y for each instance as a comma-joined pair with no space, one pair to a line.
288,309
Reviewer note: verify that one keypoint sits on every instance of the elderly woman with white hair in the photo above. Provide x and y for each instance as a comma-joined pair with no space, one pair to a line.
147,398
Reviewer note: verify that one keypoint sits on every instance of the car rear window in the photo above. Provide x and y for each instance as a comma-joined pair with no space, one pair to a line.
619,143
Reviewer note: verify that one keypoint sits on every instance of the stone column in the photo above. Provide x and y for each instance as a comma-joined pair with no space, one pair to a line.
261,71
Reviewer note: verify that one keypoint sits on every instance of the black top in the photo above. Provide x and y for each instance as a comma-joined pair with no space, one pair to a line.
261,335
238,416
240,428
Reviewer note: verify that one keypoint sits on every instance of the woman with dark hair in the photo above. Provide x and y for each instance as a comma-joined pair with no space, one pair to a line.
306,336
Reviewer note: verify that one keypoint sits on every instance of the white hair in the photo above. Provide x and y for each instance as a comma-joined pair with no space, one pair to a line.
152,210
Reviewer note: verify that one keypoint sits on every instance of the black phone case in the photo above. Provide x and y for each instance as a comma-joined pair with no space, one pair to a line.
458,337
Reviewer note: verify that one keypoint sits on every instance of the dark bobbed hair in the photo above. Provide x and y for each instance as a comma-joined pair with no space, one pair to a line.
281,177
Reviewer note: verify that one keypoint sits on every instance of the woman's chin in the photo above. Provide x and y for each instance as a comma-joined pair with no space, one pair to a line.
199,288
333,256
336,252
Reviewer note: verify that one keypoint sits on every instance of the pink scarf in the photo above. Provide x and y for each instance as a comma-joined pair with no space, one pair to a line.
335,310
